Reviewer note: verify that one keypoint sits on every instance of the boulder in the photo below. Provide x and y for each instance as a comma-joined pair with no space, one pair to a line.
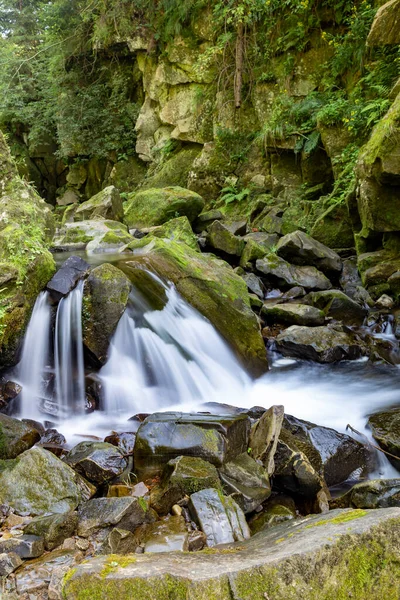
205,219
191,474
107,204
9,562
25,546
93,236
299,248
375,493
179,230
219,517
246,481
318,556
37,483
97,461
222,239
340,454
385,29
320,344
257,247
213,289
67,276
100,513
280,272
120,541
337,305
276,510
105,297
385,427
157,205
15,437
254,284
163,436
125,441
54,529
293,314
264,437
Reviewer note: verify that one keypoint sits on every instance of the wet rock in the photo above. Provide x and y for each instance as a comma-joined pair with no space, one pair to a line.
67,276
99,513
119,541
15,437
107,204
276,510
320,344
293,314
191,474
337,305
375,493
37,482
168,535
54,529
197,540
125,441
156,206
163,436
384,302
317,553
97,461
340,454
219,517
222,239
25,546
385,427
9,562
285,274
264,437
8,392
105,298
301,249
254,284
52,436
247,481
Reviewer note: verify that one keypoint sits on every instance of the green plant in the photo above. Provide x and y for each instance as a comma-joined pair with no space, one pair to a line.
231,194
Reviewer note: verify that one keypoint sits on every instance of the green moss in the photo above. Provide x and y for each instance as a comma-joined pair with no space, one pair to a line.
343,518
143,504
114,562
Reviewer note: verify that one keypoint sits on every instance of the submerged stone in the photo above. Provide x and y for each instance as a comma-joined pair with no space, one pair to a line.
168,535
219,517
213,438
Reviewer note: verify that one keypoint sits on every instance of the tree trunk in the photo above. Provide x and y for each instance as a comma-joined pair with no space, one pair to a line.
238,81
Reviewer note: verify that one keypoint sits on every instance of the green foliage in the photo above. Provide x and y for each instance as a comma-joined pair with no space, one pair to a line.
232,193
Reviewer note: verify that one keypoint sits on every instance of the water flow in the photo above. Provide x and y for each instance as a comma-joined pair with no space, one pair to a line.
32,369
68,354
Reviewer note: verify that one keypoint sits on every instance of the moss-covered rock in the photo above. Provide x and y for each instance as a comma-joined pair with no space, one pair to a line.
158,205
127,175
320,557
220,238
107,204
15,437
293,314
26,226
105,297
94,236
213,289
173,170
178,229
333,228
386,25
337,305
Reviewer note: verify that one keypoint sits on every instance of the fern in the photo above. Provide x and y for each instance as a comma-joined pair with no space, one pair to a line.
232,194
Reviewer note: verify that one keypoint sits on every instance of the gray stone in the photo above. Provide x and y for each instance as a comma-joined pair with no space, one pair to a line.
9,561
219,517
293,314
119,541
247,481
337,305
99,513
25,546
254,284
264,437
222,239
67,276
54,529
107,204
285,274
97,461
375,493
301,249
15,437
320,344
313,554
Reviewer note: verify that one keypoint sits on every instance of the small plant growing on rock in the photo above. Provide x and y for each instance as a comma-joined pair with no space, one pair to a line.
232,194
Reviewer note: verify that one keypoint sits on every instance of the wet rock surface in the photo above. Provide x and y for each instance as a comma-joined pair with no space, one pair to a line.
385,427
67,276
98,462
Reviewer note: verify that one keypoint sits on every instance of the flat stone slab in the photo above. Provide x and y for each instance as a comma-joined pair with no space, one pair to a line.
287,562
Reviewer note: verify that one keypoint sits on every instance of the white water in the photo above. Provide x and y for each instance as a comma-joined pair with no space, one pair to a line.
34,359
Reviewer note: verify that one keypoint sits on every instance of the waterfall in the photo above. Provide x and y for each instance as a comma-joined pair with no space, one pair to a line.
172,356
33,366
68,354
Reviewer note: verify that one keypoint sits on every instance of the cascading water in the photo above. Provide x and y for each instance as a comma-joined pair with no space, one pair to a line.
68,354
65,395
35,358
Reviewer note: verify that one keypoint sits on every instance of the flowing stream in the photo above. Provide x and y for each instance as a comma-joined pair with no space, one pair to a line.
174,359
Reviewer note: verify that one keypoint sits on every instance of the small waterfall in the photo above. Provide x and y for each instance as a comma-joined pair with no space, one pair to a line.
171,356
33,366
68,354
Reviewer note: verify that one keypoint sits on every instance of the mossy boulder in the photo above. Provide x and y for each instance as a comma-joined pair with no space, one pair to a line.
320,557
293,314
192,474
26,227
213,289
94,236
246,481
375,493
127,175
157,205
385,28
15,437
178,229
257,246
223,240
174,170
105,298
337,305
37,483
333,228
54,529
107,204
